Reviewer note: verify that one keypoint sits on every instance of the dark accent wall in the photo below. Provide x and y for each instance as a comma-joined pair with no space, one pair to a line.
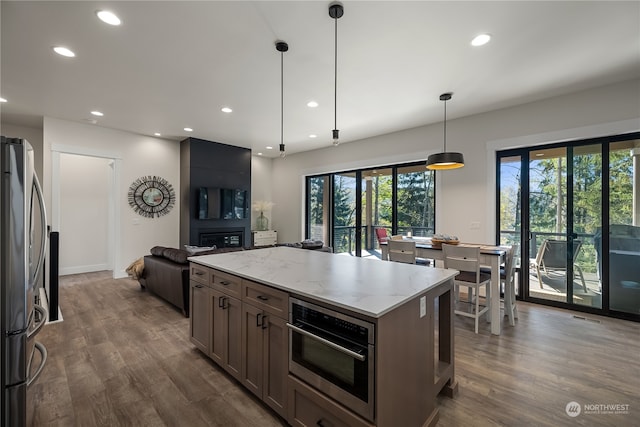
211,164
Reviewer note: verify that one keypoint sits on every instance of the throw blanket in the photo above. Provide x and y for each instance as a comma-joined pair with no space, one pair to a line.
136,268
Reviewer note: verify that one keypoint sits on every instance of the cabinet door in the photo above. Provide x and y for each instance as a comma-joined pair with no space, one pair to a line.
275,363
252,348
233,308
218,328
200,320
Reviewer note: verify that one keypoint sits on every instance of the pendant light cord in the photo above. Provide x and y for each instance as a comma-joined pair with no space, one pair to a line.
335,75
445,126
281,98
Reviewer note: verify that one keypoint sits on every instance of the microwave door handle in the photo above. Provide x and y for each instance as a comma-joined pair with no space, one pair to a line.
43,320
331,344
43,359
43,220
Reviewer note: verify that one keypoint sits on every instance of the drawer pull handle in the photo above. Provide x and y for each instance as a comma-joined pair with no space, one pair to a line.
222,302
262,298
224,283
259,320
199,286
198,273
264,322
321,423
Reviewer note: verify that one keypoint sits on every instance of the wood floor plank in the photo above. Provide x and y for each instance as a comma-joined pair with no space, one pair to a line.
122,357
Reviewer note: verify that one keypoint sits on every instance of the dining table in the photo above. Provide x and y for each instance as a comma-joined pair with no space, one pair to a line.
490,256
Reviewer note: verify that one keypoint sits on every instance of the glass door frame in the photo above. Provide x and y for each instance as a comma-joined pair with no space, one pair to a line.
523,282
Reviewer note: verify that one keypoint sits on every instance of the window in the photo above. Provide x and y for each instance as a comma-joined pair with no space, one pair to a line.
346,208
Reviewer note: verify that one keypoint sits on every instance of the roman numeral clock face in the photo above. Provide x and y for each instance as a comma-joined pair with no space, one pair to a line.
151,196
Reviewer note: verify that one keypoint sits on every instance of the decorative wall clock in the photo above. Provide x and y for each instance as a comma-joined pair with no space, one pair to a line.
151,196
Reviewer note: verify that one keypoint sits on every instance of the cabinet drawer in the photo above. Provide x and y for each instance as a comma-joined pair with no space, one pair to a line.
227,283
269,299
308,407
199,273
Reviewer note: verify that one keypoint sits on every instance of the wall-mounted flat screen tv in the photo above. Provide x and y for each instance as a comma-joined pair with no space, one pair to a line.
222,203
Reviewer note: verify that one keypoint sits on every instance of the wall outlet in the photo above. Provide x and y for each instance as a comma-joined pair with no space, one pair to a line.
136,221
475,225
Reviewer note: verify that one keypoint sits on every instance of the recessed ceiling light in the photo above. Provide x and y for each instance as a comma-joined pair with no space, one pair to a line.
108,17
480,40
157,134
97,113
269,148
3,100
188,129
312,104
226,110
313,136
259,154
60,50
539,154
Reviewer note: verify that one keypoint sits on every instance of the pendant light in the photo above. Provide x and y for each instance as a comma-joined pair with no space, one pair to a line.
282,47
445,160
335,11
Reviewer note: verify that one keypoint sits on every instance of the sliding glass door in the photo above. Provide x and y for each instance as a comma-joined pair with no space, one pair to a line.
565,200
579,206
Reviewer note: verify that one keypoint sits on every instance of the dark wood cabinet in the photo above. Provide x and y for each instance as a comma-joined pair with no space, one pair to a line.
226,331
200,320
265,357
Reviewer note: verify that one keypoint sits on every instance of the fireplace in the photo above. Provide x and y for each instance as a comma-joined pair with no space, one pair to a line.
222,238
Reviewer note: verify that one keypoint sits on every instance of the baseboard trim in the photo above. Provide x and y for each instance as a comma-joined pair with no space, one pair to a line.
65,271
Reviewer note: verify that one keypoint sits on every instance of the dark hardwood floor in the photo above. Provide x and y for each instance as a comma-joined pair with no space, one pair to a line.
122,357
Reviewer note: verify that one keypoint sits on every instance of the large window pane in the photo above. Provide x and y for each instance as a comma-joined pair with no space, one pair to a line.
416,207
624,226
317,199
344,213
378,189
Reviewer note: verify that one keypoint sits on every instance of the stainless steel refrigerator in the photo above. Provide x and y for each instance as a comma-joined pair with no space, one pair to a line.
22,248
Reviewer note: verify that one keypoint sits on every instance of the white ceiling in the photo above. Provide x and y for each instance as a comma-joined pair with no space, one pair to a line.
174,64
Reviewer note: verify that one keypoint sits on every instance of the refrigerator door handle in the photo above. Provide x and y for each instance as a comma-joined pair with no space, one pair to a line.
43,359
43,217
43,320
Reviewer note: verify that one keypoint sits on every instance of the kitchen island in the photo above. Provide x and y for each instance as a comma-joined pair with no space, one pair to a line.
237,295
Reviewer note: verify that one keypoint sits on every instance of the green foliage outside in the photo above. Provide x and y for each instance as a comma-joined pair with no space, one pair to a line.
548,199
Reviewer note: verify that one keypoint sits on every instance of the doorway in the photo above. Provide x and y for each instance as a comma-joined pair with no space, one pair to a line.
84,206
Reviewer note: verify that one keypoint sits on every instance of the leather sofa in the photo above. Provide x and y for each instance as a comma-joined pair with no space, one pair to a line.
166,270
166,274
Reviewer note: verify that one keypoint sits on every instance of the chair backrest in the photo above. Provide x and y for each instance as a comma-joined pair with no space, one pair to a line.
510,263
397,237
553,253
461,258
401,251
381,234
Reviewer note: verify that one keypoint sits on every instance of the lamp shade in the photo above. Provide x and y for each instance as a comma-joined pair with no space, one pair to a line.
443,161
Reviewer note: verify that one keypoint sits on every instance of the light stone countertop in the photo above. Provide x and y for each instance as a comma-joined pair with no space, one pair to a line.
365,286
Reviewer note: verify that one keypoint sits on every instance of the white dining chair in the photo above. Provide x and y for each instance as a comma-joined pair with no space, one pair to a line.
402,251
467,261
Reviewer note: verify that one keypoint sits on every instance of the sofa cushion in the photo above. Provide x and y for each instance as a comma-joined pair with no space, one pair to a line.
157,250
176,255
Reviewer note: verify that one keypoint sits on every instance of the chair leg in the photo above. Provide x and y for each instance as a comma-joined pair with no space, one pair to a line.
477,317
539,276
508,301
579,270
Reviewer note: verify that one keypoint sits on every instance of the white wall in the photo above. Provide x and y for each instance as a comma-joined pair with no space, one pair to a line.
84,214
33,135
261,186
464,195
137,155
